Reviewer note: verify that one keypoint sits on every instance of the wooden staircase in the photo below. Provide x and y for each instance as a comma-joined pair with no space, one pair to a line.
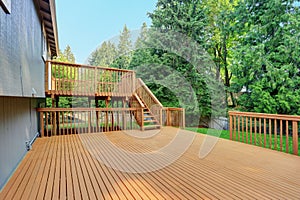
150,113
149,120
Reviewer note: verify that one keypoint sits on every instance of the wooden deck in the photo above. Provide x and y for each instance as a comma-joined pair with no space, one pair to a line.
61,167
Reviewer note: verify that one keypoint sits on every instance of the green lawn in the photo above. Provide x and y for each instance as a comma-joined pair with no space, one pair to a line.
258,142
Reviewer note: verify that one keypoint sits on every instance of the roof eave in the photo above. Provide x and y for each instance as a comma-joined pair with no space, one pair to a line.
47,13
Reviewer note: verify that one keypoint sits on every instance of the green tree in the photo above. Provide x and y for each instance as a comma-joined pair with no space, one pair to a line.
267,56
103,56
142,37
220,37
124,48
187,18
65,56
68,57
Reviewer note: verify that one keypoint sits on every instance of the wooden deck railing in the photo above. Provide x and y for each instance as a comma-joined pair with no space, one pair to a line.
173,117
149,100
64,121
279,132
81,80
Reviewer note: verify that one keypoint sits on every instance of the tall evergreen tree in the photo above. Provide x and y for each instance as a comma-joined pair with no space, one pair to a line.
103,56
142,37
181,24
124,49
267,56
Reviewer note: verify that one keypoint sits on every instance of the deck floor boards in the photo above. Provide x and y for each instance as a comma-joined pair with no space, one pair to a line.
69,167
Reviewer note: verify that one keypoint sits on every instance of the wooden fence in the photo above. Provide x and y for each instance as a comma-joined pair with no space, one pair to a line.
279,132
80,80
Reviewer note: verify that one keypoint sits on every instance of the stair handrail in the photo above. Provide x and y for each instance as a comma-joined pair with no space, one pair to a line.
140,82
144,93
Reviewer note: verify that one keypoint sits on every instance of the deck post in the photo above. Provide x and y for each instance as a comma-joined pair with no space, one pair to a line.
183,118
89,115
230,126
295,138
97,114
168,118
53,123
161,116
112,116
42,124
123,114
57,115
142,119
106,113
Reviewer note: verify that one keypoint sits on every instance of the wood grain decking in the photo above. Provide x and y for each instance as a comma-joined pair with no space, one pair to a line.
65,167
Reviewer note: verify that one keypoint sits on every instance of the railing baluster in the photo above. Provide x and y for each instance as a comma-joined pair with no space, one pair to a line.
234,127
246,130
295,138
287,136
270,133
260,133
251,127
281,135
275,134
243,139
255,132
265,132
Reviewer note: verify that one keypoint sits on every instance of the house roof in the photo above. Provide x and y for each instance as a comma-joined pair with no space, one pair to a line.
48,16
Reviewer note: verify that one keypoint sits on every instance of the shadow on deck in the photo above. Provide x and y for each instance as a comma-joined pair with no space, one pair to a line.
65,167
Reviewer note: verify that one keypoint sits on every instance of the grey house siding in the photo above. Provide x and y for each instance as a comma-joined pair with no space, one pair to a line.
21,63
18,124
21,69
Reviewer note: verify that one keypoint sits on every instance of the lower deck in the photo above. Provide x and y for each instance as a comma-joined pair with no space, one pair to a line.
109,166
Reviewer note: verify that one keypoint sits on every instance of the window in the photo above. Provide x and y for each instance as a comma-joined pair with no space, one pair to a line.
6,5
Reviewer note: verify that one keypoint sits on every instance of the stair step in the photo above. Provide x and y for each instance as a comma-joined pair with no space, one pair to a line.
152,127
150,121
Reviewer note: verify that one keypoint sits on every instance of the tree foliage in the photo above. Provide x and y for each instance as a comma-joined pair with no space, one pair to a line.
168,58
68,57
267,56
254,45
103,56
124,54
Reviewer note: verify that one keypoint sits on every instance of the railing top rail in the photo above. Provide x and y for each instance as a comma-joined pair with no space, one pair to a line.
265,115
173,109
149,92
88,66
83,109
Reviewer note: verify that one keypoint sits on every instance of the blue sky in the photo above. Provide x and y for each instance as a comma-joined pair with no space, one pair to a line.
84,26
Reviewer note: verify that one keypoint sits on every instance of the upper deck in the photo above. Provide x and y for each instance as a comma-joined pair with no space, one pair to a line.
67,79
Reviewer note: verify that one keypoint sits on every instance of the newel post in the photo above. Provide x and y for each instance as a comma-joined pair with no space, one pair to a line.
42,124
183,118
142,119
